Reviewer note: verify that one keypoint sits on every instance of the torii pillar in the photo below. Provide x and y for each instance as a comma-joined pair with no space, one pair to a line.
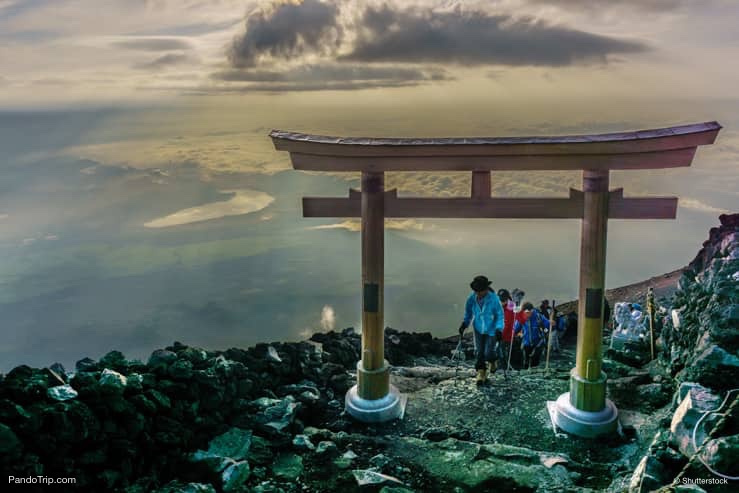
373,399
584,410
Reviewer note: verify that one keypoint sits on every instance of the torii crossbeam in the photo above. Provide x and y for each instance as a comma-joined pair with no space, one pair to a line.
584,410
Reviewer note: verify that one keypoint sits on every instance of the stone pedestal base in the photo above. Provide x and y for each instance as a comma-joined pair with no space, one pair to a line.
387,408
585,424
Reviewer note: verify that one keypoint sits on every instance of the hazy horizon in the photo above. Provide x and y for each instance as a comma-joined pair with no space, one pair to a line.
142,202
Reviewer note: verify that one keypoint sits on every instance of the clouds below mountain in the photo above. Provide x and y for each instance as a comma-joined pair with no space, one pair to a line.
242,202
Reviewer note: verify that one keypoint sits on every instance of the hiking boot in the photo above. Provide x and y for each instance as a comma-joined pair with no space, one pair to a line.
481,377
492,367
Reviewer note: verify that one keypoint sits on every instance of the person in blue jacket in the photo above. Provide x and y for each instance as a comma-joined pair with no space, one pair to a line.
533,327
483,308
559,330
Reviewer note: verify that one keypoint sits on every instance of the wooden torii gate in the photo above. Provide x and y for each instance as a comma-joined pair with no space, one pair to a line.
584,410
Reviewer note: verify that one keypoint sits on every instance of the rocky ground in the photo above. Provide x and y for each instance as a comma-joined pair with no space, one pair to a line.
270,418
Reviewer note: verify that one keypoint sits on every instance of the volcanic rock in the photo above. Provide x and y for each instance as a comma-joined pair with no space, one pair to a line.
288,466
62,393
721,455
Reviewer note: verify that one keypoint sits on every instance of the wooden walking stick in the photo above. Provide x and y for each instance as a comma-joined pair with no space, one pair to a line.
650,314
513,335
551,333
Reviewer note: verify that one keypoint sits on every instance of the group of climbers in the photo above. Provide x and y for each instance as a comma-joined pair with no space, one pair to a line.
497,326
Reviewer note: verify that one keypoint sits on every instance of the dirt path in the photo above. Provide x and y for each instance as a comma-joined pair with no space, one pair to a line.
513,411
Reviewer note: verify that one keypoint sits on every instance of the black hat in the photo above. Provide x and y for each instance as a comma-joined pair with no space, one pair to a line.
479,283
517,295
504,295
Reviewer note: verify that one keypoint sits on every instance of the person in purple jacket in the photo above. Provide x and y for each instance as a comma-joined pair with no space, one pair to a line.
484,310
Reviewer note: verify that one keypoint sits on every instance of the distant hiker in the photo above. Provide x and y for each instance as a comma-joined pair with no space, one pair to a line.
508,310
545,309
606,313
533,326
517,296
560,326
571,325
483,308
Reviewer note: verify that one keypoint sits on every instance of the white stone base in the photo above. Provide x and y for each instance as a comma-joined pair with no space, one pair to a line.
585,424
390,407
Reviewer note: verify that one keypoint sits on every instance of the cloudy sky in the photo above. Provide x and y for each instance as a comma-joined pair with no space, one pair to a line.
142,202
62,52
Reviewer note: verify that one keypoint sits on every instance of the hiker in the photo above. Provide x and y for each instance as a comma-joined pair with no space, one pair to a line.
508,310
545,309
483,308
571,325
606,313
517,296
560,326
532,326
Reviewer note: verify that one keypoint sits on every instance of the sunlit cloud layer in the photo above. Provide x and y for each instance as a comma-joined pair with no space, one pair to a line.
243,202
235,152
697,205
328,318
355,226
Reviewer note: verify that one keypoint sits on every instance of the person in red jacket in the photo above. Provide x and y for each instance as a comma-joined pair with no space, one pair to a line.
508,319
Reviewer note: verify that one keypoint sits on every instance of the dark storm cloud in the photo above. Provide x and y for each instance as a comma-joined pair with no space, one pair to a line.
333,73
287,31
164,61
153,44
418,35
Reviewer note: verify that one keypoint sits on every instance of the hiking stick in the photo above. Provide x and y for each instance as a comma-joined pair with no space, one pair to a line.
549,339
510,349
650,314
500,358
457,356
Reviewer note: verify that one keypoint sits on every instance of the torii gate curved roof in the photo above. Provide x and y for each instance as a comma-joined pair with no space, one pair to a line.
644,149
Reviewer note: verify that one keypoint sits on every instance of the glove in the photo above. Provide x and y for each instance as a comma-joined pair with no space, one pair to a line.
461,329
498,336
